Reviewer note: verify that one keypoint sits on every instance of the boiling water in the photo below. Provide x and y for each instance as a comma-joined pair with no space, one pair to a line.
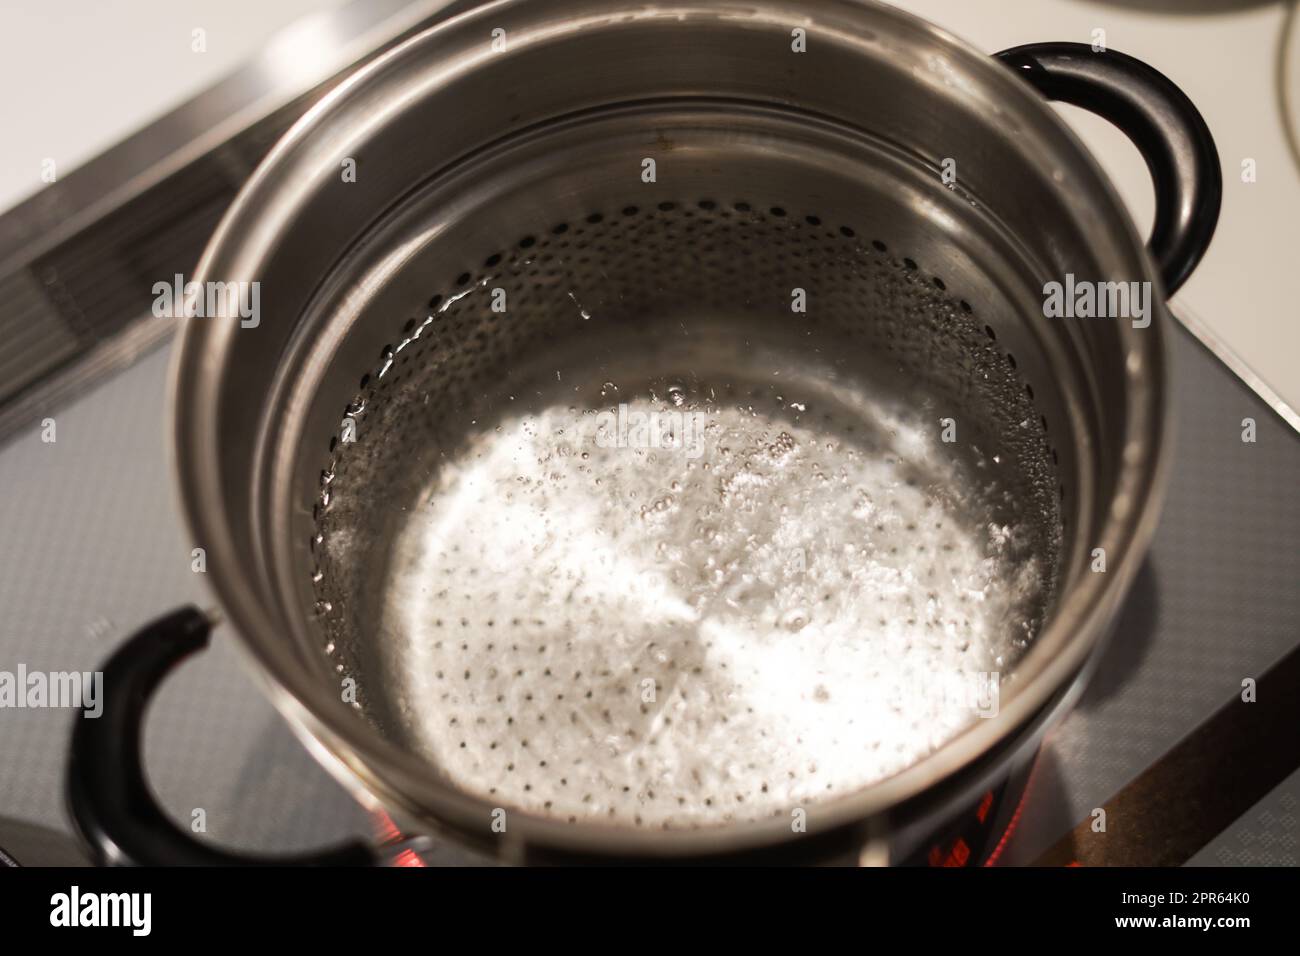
683,600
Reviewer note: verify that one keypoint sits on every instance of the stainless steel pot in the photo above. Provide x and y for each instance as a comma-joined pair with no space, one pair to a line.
737,211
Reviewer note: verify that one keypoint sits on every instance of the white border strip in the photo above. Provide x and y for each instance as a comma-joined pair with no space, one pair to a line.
1235,364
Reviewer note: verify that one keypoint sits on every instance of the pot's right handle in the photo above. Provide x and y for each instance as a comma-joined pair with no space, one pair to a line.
108,796
1162,123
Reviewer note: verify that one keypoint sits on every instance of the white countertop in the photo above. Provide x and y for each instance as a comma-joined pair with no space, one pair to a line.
84,73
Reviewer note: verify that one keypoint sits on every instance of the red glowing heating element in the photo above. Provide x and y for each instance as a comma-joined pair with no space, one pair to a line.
1015,818
389,833
956,855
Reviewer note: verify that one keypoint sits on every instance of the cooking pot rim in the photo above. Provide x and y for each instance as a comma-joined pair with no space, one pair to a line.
414,790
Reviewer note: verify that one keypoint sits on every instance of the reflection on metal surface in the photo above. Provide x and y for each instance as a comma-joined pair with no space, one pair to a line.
1287,72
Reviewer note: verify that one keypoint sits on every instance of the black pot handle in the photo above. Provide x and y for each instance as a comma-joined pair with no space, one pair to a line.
1160,120
108,795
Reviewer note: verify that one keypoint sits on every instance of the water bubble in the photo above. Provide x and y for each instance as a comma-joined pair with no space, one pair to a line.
795,620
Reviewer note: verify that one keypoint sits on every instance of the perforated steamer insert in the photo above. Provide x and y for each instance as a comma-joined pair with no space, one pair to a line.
628,532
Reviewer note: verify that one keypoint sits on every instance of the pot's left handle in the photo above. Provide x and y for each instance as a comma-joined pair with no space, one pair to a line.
108,794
